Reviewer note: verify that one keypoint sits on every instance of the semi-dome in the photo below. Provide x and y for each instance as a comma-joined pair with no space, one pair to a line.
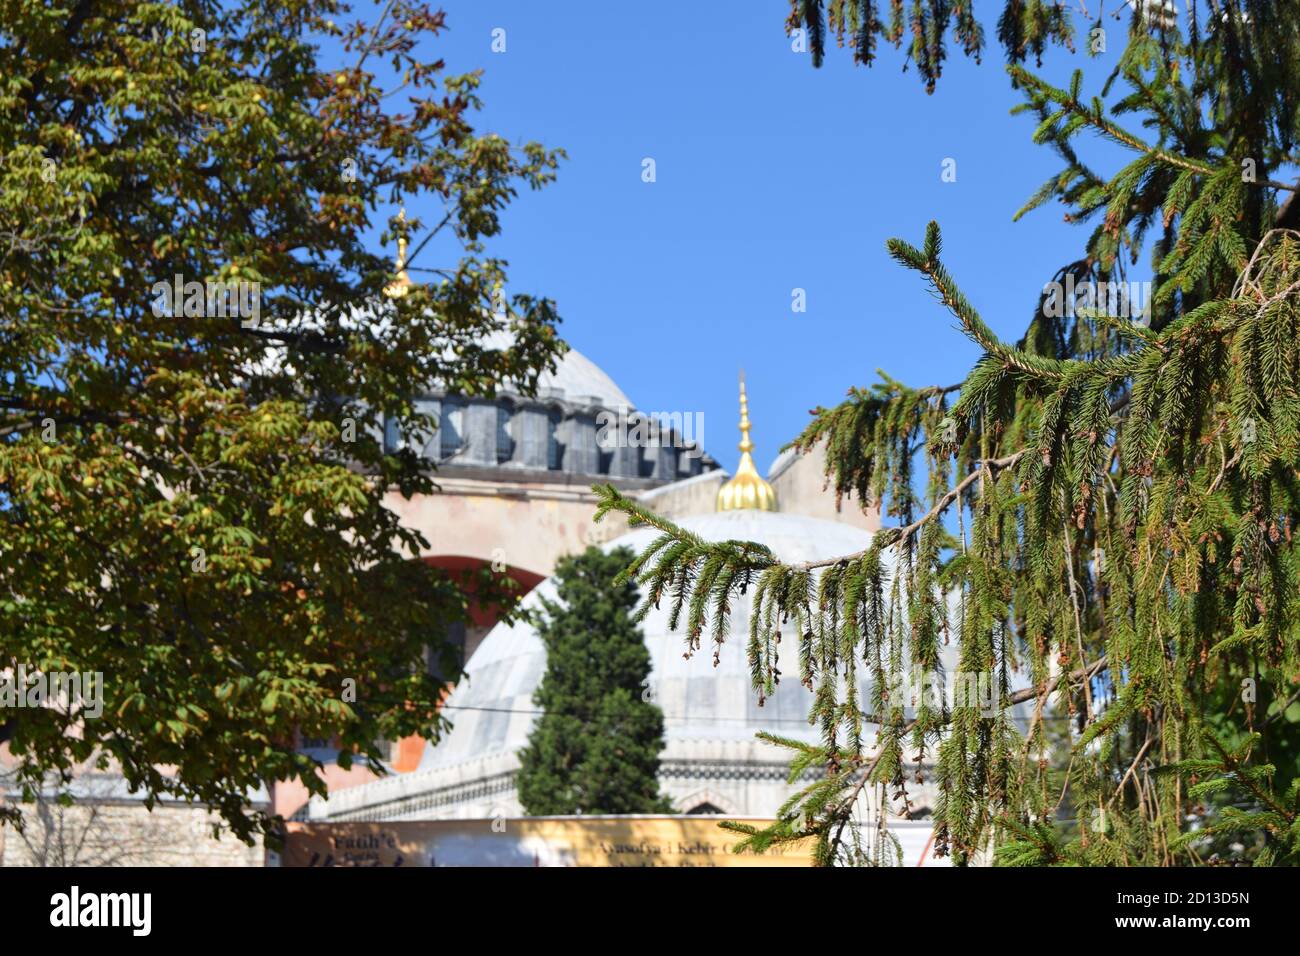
711,758
492,709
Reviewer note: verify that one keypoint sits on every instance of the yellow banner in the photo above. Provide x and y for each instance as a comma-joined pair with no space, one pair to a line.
529,841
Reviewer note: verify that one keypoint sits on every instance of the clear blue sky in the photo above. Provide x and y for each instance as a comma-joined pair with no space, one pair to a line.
770,176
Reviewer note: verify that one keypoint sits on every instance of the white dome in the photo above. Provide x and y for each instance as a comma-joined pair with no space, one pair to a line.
578,376
492,709
575,375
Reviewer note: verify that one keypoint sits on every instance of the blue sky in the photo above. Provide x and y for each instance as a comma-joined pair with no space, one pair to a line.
771,176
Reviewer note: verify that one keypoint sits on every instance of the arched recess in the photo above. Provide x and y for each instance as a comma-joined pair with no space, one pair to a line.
705,801
526,579
704,809
482,616
409,750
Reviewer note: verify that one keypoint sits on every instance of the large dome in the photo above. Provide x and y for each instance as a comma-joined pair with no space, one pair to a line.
576,378
492,709
576,375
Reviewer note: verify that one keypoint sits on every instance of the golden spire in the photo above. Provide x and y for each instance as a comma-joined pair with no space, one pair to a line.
746,489
402,283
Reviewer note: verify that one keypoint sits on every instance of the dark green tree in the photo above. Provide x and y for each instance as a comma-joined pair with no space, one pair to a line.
595,749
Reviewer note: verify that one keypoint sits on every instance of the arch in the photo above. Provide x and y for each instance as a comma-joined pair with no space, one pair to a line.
705,801
527,580
409,750
702,809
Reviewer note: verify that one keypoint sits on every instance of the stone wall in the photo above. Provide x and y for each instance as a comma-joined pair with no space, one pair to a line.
121,833
522,525
743,778
799,482
681,499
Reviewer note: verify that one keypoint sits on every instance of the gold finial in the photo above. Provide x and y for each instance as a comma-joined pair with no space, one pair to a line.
746,489
401,284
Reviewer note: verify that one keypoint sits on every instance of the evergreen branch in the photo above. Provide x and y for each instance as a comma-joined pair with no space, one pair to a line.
1093,116
927,263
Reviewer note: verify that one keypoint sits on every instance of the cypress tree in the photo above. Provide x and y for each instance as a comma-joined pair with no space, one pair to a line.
595,749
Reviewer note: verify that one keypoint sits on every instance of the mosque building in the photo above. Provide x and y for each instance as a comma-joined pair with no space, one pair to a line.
514,474
712,762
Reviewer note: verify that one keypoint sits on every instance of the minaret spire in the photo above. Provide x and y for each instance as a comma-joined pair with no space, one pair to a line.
745,445
401,284
746,489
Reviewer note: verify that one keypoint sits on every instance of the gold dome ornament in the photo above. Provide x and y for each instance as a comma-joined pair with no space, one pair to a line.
746,489
401,284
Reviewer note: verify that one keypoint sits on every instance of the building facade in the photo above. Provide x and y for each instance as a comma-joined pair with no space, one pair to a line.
712,761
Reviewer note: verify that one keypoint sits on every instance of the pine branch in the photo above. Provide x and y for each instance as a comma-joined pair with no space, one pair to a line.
1094,117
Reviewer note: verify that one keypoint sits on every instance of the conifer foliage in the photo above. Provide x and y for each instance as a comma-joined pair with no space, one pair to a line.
595,749
1105,523
1024,27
